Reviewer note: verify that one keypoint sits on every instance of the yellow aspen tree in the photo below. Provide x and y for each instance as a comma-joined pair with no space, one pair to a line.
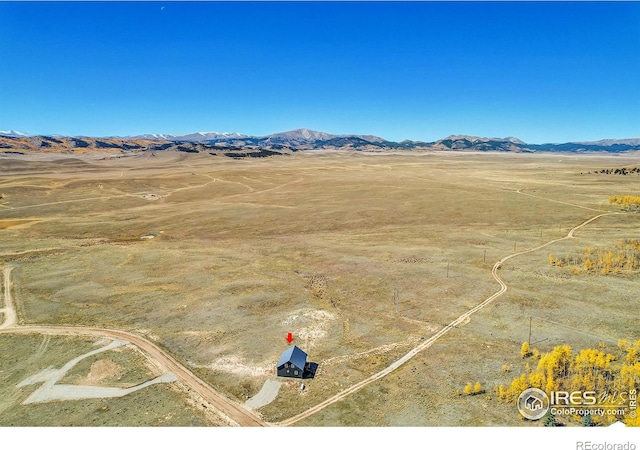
524,350
601,361
551,386
632,421
502,393
632,355
632,376
536,380
468,389
576,383
477,388
623,344
608,258
620,256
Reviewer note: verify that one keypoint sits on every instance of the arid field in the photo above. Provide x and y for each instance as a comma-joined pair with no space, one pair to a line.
215,260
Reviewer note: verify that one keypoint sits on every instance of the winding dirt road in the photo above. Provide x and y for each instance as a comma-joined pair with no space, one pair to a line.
234,411
237,413
429,342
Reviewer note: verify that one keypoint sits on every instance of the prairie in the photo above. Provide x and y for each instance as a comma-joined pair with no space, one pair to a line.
237,253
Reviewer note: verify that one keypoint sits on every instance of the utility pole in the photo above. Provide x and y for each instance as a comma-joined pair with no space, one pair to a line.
530,321
395,298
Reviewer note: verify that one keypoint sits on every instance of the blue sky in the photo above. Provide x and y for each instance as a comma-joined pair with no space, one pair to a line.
540,71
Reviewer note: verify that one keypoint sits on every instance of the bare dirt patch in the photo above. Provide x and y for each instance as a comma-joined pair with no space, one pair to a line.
309,325
236,366
13,224
25,355
101,370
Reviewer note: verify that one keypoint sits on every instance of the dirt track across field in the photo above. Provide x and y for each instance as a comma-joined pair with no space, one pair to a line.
237,413
338,210
462,319
232,410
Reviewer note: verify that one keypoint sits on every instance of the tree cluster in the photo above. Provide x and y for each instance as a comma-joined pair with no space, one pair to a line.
624,256
628,202
473,389
592,369
620,171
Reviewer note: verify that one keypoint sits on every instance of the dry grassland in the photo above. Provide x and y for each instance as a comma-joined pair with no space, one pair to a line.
23,356
315,244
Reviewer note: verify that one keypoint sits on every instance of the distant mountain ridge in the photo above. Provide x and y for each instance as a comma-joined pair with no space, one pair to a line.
609,142
299,136
296,140
484,139
193,137
12,133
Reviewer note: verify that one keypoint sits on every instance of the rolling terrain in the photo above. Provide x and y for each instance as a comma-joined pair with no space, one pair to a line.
235,144
403,275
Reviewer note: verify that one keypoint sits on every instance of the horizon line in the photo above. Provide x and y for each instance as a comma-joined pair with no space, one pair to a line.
16,133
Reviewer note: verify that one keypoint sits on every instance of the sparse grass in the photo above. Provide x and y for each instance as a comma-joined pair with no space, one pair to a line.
24,355
233,259
130,367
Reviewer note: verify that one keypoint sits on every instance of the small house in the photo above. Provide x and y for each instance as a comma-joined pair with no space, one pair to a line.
292,363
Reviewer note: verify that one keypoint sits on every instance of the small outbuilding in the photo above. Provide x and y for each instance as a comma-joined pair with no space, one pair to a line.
292,363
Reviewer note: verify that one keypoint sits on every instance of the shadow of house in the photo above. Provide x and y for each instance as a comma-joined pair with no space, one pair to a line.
293,364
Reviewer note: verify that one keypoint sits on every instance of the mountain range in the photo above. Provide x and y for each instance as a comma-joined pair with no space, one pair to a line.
294,140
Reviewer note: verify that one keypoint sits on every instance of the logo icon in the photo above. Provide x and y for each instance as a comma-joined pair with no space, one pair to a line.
533,403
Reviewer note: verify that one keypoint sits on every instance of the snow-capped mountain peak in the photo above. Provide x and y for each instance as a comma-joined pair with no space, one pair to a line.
13,133
194,137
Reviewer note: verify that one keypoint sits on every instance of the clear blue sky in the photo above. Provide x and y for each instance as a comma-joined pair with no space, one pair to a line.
541,71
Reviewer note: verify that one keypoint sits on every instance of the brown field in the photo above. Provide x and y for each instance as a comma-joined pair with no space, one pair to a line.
23,356
315,244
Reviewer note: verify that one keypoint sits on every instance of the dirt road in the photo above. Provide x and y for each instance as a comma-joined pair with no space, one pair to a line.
237,413
234,411
429,342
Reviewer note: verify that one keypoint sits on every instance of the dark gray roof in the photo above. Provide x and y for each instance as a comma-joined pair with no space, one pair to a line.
293,355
